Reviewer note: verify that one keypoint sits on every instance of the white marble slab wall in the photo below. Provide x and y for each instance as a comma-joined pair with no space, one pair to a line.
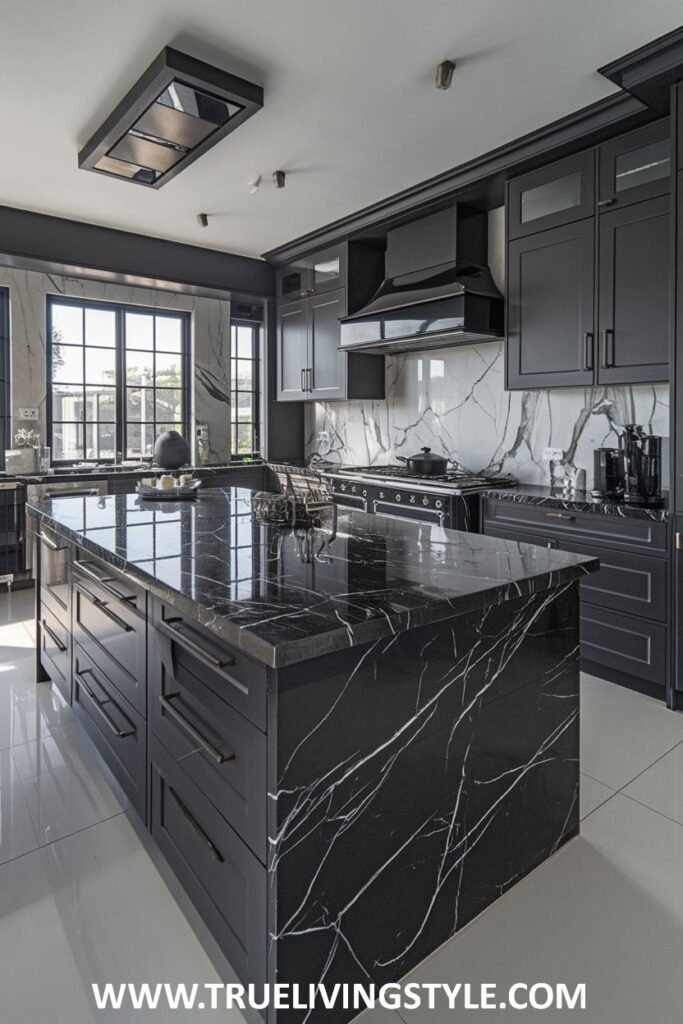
210,345
454,401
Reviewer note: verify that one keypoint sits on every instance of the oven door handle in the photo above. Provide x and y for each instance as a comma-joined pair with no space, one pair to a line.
349,499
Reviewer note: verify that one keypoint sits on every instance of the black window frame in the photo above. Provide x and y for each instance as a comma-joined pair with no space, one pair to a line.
121,386
255,391
5,364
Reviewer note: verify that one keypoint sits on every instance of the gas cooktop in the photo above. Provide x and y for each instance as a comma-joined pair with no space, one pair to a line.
453,480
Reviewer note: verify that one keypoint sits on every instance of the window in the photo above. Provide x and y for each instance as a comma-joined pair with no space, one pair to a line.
118,378
5,440
244,388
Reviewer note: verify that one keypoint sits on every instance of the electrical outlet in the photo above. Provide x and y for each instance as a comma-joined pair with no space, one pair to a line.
323,436
553,454
28,414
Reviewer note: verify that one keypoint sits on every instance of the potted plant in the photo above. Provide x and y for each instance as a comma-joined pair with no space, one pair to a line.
23,459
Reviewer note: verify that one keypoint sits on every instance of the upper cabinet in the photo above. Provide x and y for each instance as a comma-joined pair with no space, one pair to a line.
589,270
635,166
313,294
558,194
321,272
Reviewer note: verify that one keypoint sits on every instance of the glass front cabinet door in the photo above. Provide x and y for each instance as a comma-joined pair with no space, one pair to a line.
560,193
635,167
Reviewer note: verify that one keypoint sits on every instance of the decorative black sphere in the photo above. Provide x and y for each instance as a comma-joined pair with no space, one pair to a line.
171,450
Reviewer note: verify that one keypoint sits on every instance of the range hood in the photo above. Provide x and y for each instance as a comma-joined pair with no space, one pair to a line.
437,291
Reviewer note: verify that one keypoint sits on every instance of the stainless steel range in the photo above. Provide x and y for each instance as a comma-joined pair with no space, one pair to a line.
451,499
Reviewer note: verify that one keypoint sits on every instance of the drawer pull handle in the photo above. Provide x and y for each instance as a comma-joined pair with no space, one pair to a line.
588,351
192,821
105,582
177,634
104,608
55,639
560,515
194,733
48,541
99,705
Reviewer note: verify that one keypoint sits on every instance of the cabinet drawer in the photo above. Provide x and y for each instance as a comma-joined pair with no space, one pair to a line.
117,730
55,556
626,582
633,534
622,643
223,753
193,654
220,874
55,655
109,625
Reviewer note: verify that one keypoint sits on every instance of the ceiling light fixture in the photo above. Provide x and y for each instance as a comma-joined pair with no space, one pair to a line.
444,74
279,179
177,110
203,220
255,184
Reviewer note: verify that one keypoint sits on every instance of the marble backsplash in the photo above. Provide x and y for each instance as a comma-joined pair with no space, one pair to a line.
455,402
210,396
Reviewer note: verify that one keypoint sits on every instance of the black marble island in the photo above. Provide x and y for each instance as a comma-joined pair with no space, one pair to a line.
359,736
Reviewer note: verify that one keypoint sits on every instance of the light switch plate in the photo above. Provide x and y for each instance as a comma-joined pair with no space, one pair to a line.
28,413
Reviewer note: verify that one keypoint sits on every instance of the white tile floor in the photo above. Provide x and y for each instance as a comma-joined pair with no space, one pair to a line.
84,898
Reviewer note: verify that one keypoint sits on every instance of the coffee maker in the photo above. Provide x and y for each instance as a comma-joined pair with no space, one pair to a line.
642,467
608,473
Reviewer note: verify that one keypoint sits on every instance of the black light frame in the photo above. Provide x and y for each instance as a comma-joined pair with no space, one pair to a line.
171,66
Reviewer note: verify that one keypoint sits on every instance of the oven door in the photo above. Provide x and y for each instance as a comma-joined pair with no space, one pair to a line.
420,515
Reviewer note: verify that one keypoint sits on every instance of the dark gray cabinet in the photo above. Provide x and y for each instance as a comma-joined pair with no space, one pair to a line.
559,193
624,606
115,727
550,308
588,295
635,166
313,274
313,295
292,353
633,290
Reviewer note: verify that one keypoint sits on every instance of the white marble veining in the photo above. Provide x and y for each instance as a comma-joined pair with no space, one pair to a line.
454,401
210,345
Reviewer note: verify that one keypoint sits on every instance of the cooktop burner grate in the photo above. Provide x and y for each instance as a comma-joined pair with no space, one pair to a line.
463,481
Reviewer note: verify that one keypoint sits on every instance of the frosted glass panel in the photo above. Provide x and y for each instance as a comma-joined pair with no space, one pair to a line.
639,166
551,197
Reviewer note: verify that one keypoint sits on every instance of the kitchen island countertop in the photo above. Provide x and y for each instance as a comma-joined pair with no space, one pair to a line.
283,595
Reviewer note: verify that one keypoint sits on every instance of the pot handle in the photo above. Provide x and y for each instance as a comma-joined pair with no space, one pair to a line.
401,458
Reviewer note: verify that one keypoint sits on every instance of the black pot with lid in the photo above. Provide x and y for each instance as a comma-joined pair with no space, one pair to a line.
426,464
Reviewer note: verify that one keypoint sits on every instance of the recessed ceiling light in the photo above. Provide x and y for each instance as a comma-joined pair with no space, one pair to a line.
177,109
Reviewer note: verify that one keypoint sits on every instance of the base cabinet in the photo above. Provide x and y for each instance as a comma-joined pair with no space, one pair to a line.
118,731
624,606
223,878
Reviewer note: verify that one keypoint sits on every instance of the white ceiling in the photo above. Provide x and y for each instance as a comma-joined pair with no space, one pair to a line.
350,112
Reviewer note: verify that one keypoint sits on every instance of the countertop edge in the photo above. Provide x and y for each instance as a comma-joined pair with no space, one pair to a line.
343,638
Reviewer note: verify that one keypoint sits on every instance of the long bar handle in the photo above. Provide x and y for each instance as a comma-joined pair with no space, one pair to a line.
53,546
192,731
104,581
104,608
176,634
192,821
53,636
559,515
99,705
